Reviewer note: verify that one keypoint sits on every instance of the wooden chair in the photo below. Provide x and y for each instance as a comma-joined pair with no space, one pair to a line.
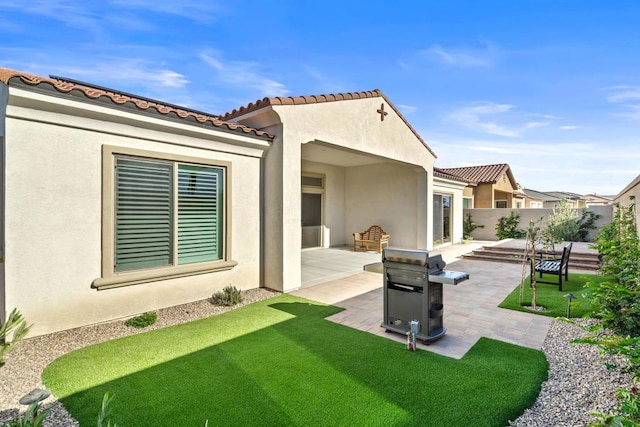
555,266
372,239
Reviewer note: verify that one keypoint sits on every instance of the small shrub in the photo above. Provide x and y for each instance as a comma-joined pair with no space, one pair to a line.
229,296
585,223
562,224
468,226
105,412
143,320
507,227
15,324
33,417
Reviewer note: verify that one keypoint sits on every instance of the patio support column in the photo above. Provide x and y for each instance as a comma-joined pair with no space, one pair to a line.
422,210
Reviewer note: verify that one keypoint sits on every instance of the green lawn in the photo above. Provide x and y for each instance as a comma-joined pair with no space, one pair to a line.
552,299
280,363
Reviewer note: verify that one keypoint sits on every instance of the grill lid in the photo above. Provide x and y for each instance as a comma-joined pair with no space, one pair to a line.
405,256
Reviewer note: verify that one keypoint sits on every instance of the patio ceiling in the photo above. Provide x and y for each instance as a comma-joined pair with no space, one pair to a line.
322,152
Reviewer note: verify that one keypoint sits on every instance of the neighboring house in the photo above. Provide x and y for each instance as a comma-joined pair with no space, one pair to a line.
115,204
597,200
551,199
574,200
538,199
491,186
629,194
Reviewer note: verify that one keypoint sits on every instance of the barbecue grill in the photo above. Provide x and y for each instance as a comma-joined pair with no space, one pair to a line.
413,291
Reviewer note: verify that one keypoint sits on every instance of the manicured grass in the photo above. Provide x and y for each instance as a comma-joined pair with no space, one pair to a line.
552,299
280,363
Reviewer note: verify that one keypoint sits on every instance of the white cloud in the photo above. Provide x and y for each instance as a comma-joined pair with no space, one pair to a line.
464,58
139,72
474,118
195,10
492,149
548,165
498,119
628,97
72,13
569,127
244,74
623,93
407,109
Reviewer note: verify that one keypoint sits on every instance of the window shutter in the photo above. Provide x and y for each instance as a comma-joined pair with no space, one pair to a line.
199,213
143,214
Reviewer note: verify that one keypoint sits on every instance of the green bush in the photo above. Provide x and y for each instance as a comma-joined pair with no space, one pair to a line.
585,223
507,227
229,296
468,226
566,225
143,320
15,326
562,224
617,302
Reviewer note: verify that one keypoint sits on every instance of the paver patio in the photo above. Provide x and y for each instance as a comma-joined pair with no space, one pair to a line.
471,307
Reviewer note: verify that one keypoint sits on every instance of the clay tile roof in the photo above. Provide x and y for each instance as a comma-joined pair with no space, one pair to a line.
486,174
8,76
442,174
315,99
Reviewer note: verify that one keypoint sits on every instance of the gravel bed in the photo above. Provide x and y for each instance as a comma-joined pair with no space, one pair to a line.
578,381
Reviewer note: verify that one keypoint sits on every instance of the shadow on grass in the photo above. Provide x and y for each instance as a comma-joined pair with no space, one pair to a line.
292,367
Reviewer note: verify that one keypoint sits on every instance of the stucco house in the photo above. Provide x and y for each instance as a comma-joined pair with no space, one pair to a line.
629,193
551,199
490,186
115,204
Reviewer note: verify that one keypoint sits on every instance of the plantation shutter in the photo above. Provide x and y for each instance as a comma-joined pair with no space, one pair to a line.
143,222
199,213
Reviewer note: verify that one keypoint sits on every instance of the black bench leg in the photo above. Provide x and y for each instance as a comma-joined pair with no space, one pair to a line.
560,281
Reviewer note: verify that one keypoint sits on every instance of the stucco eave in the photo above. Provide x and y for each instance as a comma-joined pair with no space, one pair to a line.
31,105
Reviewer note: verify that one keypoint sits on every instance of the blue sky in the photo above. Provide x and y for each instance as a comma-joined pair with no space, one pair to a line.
550,87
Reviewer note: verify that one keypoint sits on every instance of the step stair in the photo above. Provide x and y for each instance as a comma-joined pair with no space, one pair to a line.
577,261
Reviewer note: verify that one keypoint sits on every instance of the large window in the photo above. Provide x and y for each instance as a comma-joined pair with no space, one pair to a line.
163,216
147,233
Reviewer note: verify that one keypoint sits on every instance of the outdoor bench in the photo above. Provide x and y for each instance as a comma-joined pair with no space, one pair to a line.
554,266
372,239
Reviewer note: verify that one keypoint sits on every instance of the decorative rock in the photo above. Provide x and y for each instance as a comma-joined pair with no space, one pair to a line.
35,395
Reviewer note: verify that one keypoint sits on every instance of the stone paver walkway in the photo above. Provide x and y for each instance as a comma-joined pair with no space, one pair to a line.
470,308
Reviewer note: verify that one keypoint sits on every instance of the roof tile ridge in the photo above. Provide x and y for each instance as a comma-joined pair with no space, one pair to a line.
7,74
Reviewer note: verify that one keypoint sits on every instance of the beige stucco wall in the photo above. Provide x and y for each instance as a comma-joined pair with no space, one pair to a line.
4,98
53,195
384,195
488,218
353,125
484,196
633,191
